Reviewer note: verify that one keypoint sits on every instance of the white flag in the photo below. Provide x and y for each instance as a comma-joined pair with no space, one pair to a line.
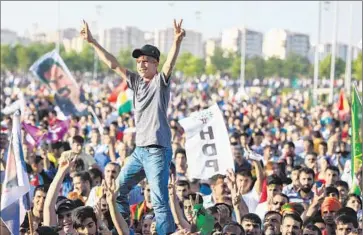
207,144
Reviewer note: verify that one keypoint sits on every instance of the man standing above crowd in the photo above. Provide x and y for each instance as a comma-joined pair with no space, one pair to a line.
153,152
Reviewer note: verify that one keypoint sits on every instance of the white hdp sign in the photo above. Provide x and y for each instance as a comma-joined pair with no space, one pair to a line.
207,144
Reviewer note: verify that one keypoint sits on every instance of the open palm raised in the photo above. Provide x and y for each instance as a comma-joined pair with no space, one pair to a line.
179,32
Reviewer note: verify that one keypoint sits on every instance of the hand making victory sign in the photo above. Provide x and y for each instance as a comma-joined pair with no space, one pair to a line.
179,32
85,32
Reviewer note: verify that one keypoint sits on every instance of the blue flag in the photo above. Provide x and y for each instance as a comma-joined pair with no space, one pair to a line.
15,200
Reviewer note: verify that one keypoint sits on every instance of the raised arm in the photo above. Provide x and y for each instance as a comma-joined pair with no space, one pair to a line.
117,219
49,215
169,64
104,55
175,208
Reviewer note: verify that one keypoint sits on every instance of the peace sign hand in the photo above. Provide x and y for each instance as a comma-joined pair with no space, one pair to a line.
111,191
179,32
86,33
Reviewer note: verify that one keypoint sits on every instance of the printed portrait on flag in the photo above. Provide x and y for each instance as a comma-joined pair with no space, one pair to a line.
51,70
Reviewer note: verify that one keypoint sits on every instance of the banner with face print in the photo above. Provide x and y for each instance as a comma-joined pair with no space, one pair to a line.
51,70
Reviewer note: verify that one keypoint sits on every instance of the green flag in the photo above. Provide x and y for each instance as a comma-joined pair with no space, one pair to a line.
205,221
356,141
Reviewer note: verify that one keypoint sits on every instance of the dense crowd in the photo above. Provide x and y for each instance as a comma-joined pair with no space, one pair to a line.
302,185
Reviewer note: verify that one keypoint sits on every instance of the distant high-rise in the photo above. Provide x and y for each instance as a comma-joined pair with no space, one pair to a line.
8,36
232,39
280,43
116,39
210,47
163,39
341,51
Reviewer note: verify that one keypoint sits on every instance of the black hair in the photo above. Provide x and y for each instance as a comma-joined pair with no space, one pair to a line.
212,210
295,216
346,219
215,178
353,195
232,223
312,227
78,202
95,173
180,150
183,183
80,214
78,139
84,175
296,168
291,144
245,173
44,67
342,183
79,163
332,168
57,145
323,144
217,205
42,188
331,189
253,218
307,171
273,213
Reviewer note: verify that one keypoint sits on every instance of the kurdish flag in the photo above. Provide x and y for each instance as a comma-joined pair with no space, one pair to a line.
116,91
356,153
124,101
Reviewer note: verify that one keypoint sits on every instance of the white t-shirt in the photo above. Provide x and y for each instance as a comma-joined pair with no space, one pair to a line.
261,210
251,199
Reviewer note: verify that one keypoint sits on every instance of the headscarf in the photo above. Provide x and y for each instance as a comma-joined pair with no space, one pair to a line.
330,204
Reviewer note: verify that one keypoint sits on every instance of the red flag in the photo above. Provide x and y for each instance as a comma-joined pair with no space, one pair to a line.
116,91
341,101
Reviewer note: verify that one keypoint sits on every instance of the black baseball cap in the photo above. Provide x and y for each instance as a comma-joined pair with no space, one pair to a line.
148,50
65,205
274,179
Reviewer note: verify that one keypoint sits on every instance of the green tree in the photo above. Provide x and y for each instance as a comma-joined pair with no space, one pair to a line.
87,58
162,60
8,58
357,67
259,64
221,60
324,68
273,67
210,69
125,59
22,56
190,65
295,66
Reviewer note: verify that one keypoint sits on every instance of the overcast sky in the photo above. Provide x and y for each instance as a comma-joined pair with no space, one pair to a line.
214,16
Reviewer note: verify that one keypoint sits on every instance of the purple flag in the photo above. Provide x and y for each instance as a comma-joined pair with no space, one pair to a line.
34,135
58,130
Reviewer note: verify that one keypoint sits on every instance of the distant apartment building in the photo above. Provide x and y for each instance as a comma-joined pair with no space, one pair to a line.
209,48
115,39
232,41
341,51
8,36
149,38
61,35
280,43
163,39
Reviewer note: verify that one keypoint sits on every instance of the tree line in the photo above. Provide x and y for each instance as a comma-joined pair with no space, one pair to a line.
19,58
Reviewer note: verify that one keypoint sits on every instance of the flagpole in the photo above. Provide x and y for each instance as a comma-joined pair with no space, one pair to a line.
59,30
30,219
316,59
348,66
333,54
